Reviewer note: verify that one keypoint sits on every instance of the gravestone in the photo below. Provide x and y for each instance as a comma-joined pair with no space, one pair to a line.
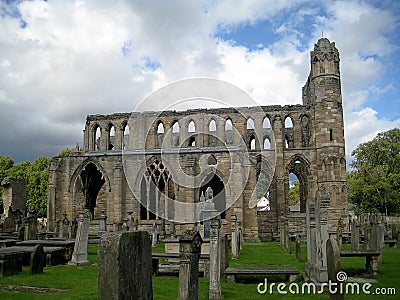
154,240
355,235
234,237
102,223
124,262
207,208
298,253
31,224
64,227
189,254
79,256
130,221
334,266
395,232
37,261
215,259
224,250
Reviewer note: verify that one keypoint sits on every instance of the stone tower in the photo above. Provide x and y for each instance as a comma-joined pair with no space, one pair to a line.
322,93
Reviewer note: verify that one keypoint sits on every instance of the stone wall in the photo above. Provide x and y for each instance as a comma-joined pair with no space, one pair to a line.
313,149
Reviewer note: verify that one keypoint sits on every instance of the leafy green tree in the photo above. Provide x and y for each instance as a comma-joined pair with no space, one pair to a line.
374,183
294,193
66,152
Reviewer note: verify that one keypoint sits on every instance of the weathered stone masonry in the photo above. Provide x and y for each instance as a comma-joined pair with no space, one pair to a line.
313,148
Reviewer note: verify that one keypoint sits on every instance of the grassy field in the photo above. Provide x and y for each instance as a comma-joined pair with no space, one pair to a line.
81,282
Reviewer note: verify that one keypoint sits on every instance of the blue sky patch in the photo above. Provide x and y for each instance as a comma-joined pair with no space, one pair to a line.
150,64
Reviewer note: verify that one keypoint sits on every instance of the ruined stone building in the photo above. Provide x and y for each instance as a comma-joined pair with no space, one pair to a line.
217,147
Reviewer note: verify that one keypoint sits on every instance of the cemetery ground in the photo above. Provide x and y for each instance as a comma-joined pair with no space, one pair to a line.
70,282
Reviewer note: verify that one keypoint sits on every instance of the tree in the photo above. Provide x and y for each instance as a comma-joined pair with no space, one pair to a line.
294,193
374,184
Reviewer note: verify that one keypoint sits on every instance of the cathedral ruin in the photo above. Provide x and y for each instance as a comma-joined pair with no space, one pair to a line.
308,141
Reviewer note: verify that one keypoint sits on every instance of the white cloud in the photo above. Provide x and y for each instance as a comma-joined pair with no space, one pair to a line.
88,57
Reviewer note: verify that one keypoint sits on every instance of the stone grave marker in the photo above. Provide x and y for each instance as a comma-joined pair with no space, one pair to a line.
125,266
234,237
37,262
79,256
215,259
395,232
102,223
189,252
355,235
298,253
334,266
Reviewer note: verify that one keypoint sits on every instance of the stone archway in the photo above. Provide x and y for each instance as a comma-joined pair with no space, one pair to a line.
91,182
218,187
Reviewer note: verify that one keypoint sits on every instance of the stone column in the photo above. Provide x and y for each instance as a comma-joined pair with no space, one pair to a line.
234,238
124,263
31,225
79,256
117,192
215,259
189,252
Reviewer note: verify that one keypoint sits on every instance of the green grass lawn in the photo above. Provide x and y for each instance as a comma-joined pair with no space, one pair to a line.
81,282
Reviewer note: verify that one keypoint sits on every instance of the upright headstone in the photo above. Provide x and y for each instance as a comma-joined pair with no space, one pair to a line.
102,223
189,254
298,253
79,256
334,267
154,236
339,233
37,260
234,237
355,235
395,232
124,262
65,227
207,209
31,224
130,222
215,259
224,250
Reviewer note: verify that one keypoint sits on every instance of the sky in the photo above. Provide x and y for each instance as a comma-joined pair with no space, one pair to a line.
63,60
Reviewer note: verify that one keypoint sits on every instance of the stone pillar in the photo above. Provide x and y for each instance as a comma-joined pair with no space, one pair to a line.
215,259
102,223
79,256
189,252
234,238
334,267
117,192
124,263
